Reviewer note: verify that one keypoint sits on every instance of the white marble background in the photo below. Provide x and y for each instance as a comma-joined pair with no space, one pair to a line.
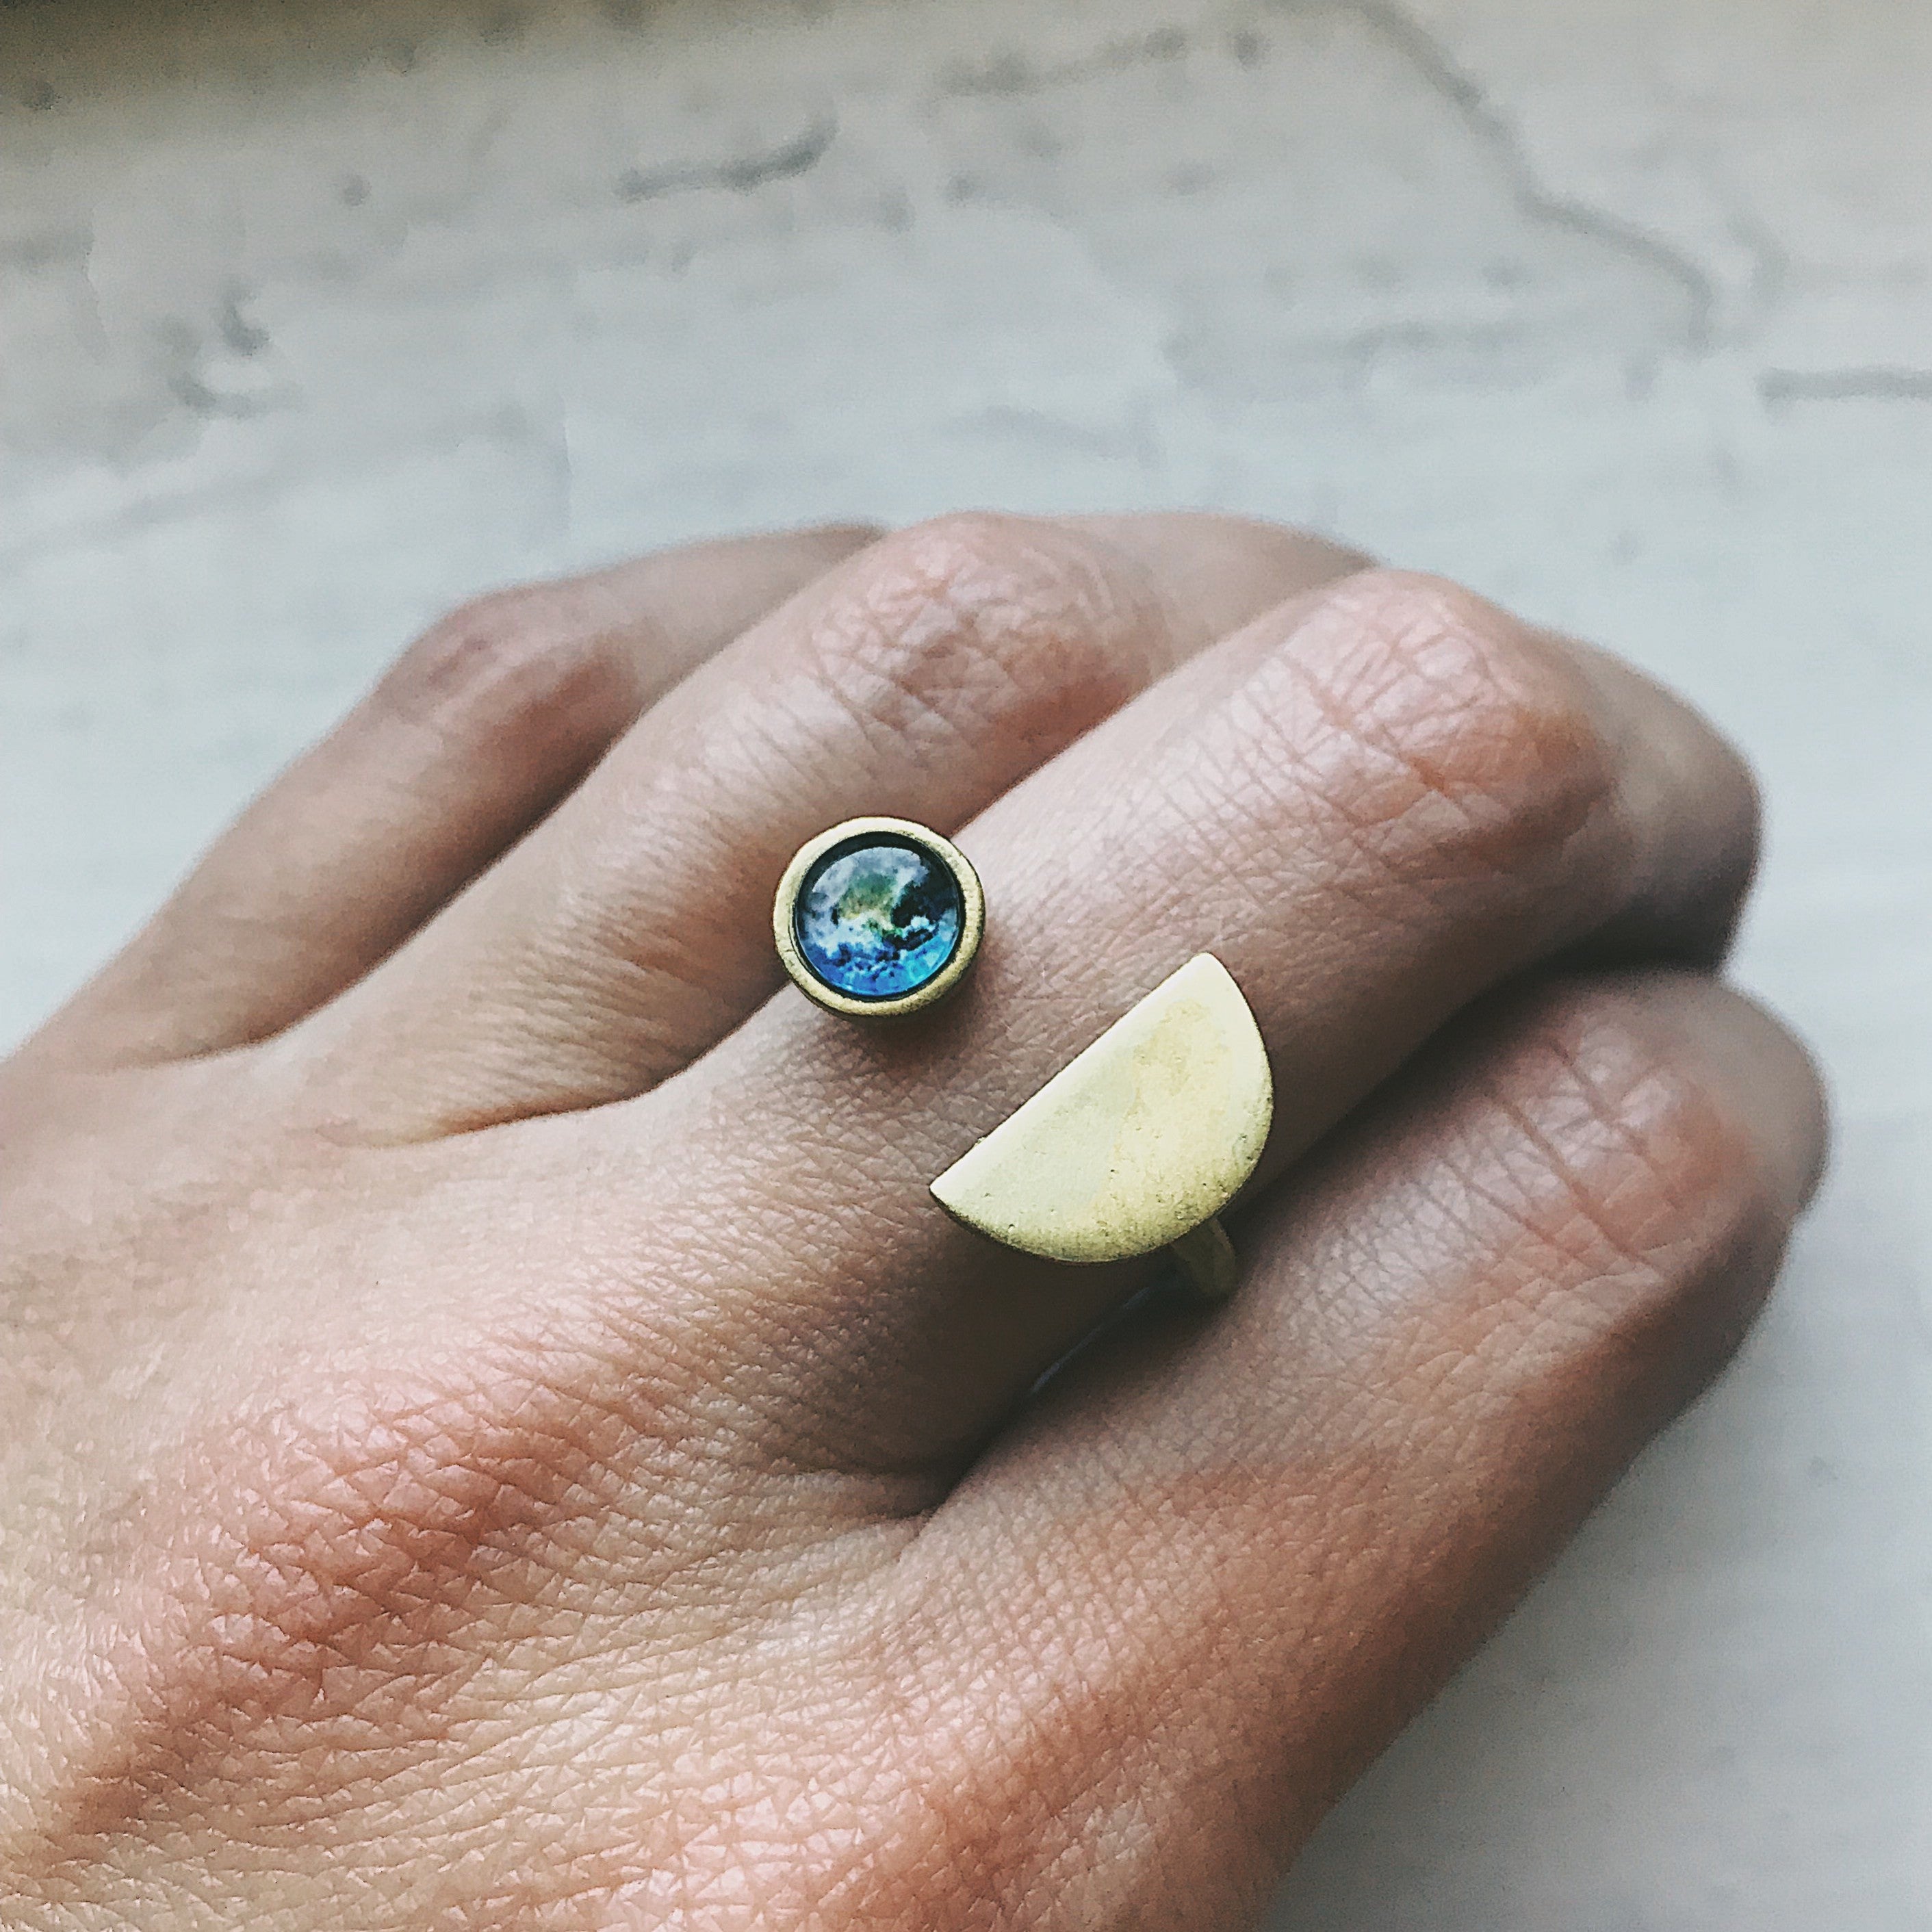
315,318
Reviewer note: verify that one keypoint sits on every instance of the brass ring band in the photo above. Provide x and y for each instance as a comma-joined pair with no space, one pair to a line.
1207,1262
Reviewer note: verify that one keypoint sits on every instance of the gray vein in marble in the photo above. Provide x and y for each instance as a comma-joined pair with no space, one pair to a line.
740,173
1465,92
1784,386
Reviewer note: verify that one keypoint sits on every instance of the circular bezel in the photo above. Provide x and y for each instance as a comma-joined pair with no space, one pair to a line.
857,832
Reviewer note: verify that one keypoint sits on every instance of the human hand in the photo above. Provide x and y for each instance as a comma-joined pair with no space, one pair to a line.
496,1431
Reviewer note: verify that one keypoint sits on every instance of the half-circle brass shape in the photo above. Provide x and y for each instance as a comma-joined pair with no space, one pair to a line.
1138,1143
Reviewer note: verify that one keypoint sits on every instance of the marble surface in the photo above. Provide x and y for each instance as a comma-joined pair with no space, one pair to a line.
315,318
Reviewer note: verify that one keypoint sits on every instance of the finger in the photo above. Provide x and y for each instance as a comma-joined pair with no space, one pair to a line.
921,679
478,731
1228,1557
1371,811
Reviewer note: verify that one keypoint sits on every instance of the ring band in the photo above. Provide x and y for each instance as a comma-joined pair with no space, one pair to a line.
878,917
1136,1144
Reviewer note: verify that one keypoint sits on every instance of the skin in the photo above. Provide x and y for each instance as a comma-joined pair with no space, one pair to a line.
497,1433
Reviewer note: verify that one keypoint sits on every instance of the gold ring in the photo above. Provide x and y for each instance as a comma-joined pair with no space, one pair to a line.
1136,1144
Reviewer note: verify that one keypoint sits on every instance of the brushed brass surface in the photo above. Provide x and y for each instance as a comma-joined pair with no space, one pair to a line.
1137,1143
972,927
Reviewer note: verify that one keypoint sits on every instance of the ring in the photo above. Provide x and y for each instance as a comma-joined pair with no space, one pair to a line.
1136,1144
878,917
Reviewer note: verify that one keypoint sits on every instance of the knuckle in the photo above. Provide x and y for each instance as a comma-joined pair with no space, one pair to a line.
505,656
1466,744
1647,1189
977,619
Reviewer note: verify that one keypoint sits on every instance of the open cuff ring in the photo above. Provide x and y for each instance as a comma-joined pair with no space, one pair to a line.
1137,1144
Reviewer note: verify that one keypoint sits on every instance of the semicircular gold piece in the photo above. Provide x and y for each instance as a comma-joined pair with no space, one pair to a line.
1145,1136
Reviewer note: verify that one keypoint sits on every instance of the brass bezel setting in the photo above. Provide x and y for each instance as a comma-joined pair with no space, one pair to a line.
972,924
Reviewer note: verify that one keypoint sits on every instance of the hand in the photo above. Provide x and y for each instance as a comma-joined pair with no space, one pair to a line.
496,1432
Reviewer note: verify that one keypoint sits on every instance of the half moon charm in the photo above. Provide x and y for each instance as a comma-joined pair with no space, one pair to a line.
1136,1144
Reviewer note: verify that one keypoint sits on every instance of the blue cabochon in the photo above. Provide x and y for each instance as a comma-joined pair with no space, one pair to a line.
879,919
